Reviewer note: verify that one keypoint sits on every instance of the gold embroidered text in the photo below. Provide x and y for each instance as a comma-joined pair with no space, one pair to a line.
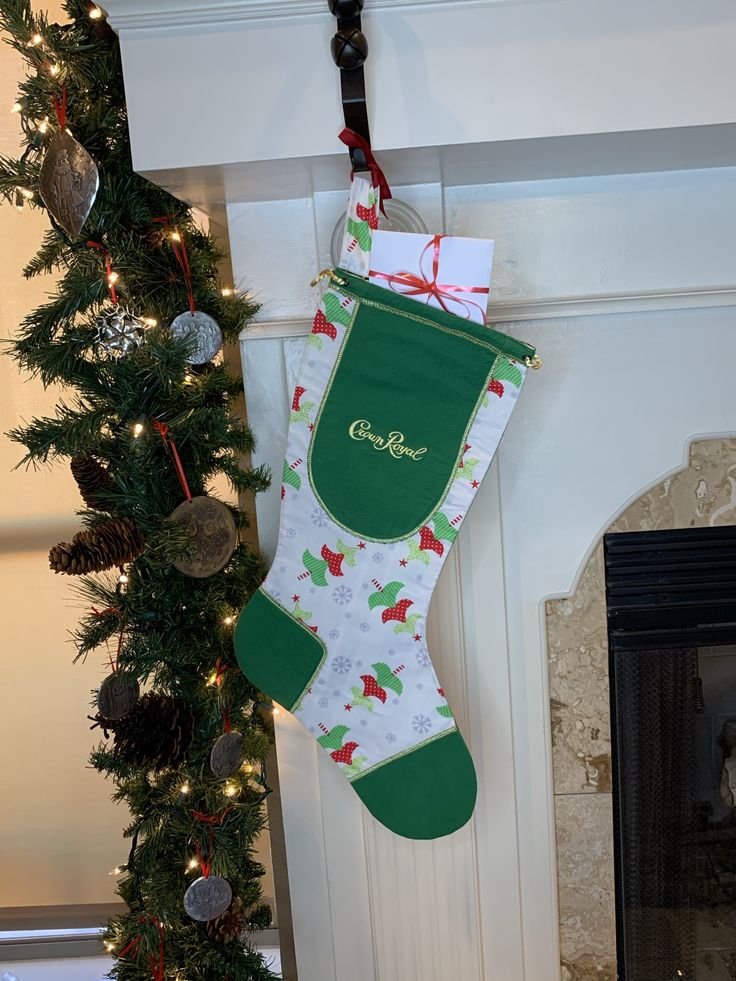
394,442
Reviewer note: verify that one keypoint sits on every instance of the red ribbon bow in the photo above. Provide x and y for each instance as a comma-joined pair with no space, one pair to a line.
355,141
425,284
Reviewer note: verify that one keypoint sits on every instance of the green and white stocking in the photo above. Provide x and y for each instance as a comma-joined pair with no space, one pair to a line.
396,417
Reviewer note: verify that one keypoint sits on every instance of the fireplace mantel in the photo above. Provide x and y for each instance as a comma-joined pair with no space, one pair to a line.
238,100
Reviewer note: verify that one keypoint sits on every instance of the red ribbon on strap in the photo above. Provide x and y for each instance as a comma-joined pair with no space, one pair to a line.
206,864
108,267
355,141
179,249
425,284
158,967
163,429
60,108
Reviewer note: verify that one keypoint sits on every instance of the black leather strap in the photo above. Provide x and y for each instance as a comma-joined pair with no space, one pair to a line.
354,106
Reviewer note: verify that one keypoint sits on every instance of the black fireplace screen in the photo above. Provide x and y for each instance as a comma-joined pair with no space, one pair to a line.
672,632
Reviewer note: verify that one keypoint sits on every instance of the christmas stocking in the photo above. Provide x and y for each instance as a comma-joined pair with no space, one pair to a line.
398,412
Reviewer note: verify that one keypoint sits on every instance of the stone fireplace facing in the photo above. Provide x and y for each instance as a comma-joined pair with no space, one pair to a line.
702,495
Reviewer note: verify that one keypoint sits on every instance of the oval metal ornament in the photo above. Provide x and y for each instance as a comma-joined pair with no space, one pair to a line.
213,532
68,183
118,695
207,897
227,754
204,328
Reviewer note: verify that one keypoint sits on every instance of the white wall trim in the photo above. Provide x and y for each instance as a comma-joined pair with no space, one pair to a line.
513,311
142,14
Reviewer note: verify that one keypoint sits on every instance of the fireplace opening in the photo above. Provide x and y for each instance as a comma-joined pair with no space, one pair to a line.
671,599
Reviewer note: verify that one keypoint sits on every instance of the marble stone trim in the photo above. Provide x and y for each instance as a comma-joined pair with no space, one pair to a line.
702,494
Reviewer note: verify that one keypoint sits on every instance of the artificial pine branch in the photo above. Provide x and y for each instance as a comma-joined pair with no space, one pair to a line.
169,631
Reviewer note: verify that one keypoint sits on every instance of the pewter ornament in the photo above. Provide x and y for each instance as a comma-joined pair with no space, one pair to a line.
207,898
117,696
119,331
68,183
214,533
227,754
204,328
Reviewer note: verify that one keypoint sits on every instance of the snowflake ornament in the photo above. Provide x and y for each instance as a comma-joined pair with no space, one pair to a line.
119,331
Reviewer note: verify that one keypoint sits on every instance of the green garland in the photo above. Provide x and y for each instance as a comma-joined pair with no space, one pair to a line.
173,633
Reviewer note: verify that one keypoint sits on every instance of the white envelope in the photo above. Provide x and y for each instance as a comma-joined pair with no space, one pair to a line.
443,271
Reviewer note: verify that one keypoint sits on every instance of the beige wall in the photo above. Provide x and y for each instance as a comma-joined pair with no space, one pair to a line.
59,832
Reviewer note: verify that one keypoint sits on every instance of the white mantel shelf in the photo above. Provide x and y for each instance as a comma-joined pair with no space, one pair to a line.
238,100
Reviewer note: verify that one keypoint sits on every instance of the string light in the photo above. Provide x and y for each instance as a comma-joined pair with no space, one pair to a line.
43,126
188,378
54,69
116,871
17,107
150,321
184,789
95,13
138,429
123,578
247,767
27,194
35,41
175,237
112,277
192,864
229,621
276,710
231,790
227,291
213,678
109,947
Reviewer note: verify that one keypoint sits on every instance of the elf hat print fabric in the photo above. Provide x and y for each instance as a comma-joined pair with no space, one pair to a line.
397,414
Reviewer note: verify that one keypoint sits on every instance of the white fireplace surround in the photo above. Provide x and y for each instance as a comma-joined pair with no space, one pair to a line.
595,144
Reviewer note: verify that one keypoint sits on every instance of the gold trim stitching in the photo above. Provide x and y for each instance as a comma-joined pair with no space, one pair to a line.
440,501
404,752
312,634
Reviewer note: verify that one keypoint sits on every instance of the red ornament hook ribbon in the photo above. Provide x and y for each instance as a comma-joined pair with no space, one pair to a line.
158,967
60,108
108,267
425,284
178,247
206,864
170,445
354,141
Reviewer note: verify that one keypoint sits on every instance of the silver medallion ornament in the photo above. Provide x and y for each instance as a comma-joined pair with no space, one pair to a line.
118,695
204,328
214,535
68,183
227,754
207,897
119,331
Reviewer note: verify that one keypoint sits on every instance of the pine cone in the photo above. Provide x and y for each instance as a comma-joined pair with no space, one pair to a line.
231,924
107,545
156,734
92,480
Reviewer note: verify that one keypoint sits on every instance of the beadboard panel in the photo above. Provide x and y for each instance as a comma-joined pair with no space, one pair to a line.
624,285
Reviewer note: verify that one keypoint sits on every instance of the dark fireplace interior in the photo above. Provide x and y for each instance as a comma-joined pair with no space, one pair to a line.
671,600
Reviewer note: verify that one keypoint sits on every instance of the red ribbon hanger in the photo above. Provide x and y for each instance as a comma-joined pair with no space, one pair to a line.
206,864
158,967
60,108
170,445
178,247
108,267
409,284
355,141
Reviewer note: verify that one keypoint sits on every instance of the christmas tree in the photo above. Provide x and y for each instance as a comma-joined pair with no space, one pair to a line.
148,420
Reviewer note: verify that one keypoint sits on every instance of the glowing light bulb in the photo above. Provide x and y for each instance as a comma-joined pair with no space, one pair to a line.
95,13
175,237
231,790
150,321
54,69
109,947
188,379
116,871
113,277
192,864
123,578
227,291
35,41
17,107
138,429
44,125
228,621
276,710
247,767
27,194
184,789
